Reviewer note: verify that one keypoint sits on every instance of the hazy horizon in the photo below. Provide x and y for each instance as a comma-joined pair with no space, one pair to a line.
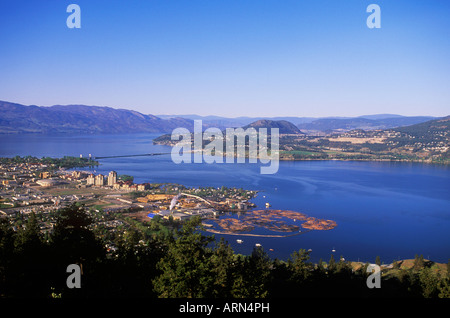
383,115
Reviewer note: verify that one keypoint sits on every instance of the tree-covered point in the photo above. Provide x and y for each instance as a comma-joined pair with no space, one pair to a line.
64,162
125,177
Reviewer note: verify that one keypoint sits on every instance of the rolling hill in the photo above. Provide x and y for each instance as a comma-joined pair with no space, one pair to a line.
17,118
432,129
330,125
284,126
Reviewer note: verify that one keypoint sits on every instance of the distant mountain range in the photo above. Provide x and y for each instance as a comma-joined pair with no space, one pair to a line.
317,125
17,118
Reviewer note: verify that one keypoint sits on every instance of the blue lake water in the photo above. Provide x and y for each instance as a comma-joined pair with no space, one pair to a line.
391,210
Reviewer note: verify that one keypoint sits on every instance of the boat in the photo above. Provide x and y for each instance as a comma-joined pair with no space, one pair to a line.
333,250
267,204
257,244
240,241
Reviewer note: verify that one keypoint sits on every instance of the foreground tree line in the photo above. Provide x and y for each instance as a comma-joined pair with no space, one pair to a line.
184,263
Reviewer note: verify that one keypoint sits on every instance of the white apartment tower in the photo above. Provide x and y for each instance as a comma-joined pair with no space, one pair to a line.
99,180
112,178
90,179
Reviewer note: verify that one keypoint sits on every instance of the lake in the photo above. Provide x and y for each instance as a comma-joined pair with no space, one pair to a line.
387,209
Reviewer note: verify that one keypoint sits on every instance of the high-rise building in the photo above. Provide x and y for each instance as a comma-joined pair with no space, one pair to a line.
112,178
99,180
90,180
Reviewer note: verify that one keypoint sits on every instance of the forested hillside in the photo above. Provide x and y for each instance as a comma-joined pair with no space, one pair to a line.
182,262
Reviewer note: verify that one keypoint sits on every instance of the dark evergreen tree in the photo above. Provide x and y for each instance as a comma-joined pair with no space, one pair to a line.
429,283
331,268
7,264
378,260
186,269
253,276
73,242
31,269
299,266
223,265
320,266
419,262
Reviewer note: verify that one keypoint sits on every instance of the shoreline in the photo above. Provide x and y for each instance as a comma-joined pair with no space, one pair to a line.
370,160
427,161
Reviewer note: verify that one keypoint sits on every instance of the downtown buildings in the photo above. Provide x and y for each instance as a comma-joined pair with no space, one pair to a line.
101,180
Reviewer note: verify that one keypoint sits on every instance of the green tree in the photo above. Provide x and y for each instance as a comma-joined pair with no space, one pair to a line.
186,269
134,266
29,236
299,266
419,263
223,265
331,265
30,272
320,266
378,260
444,288
7,238
429,283
73,242
132,237
343,267
253,275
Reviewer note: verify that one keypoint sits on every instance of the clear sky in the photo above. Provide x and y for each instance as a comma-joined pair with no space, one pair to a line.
229,57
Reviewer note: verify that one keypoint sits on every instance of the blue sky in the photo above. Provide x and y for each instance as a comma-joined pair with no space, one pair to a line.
229,57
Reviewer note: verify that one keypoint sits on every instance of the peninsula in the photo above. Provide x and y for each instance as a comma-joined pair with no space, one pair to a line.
424,142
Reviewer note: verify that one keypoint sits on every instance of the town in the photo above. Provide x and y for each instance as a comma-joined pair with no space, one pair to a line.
113,200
